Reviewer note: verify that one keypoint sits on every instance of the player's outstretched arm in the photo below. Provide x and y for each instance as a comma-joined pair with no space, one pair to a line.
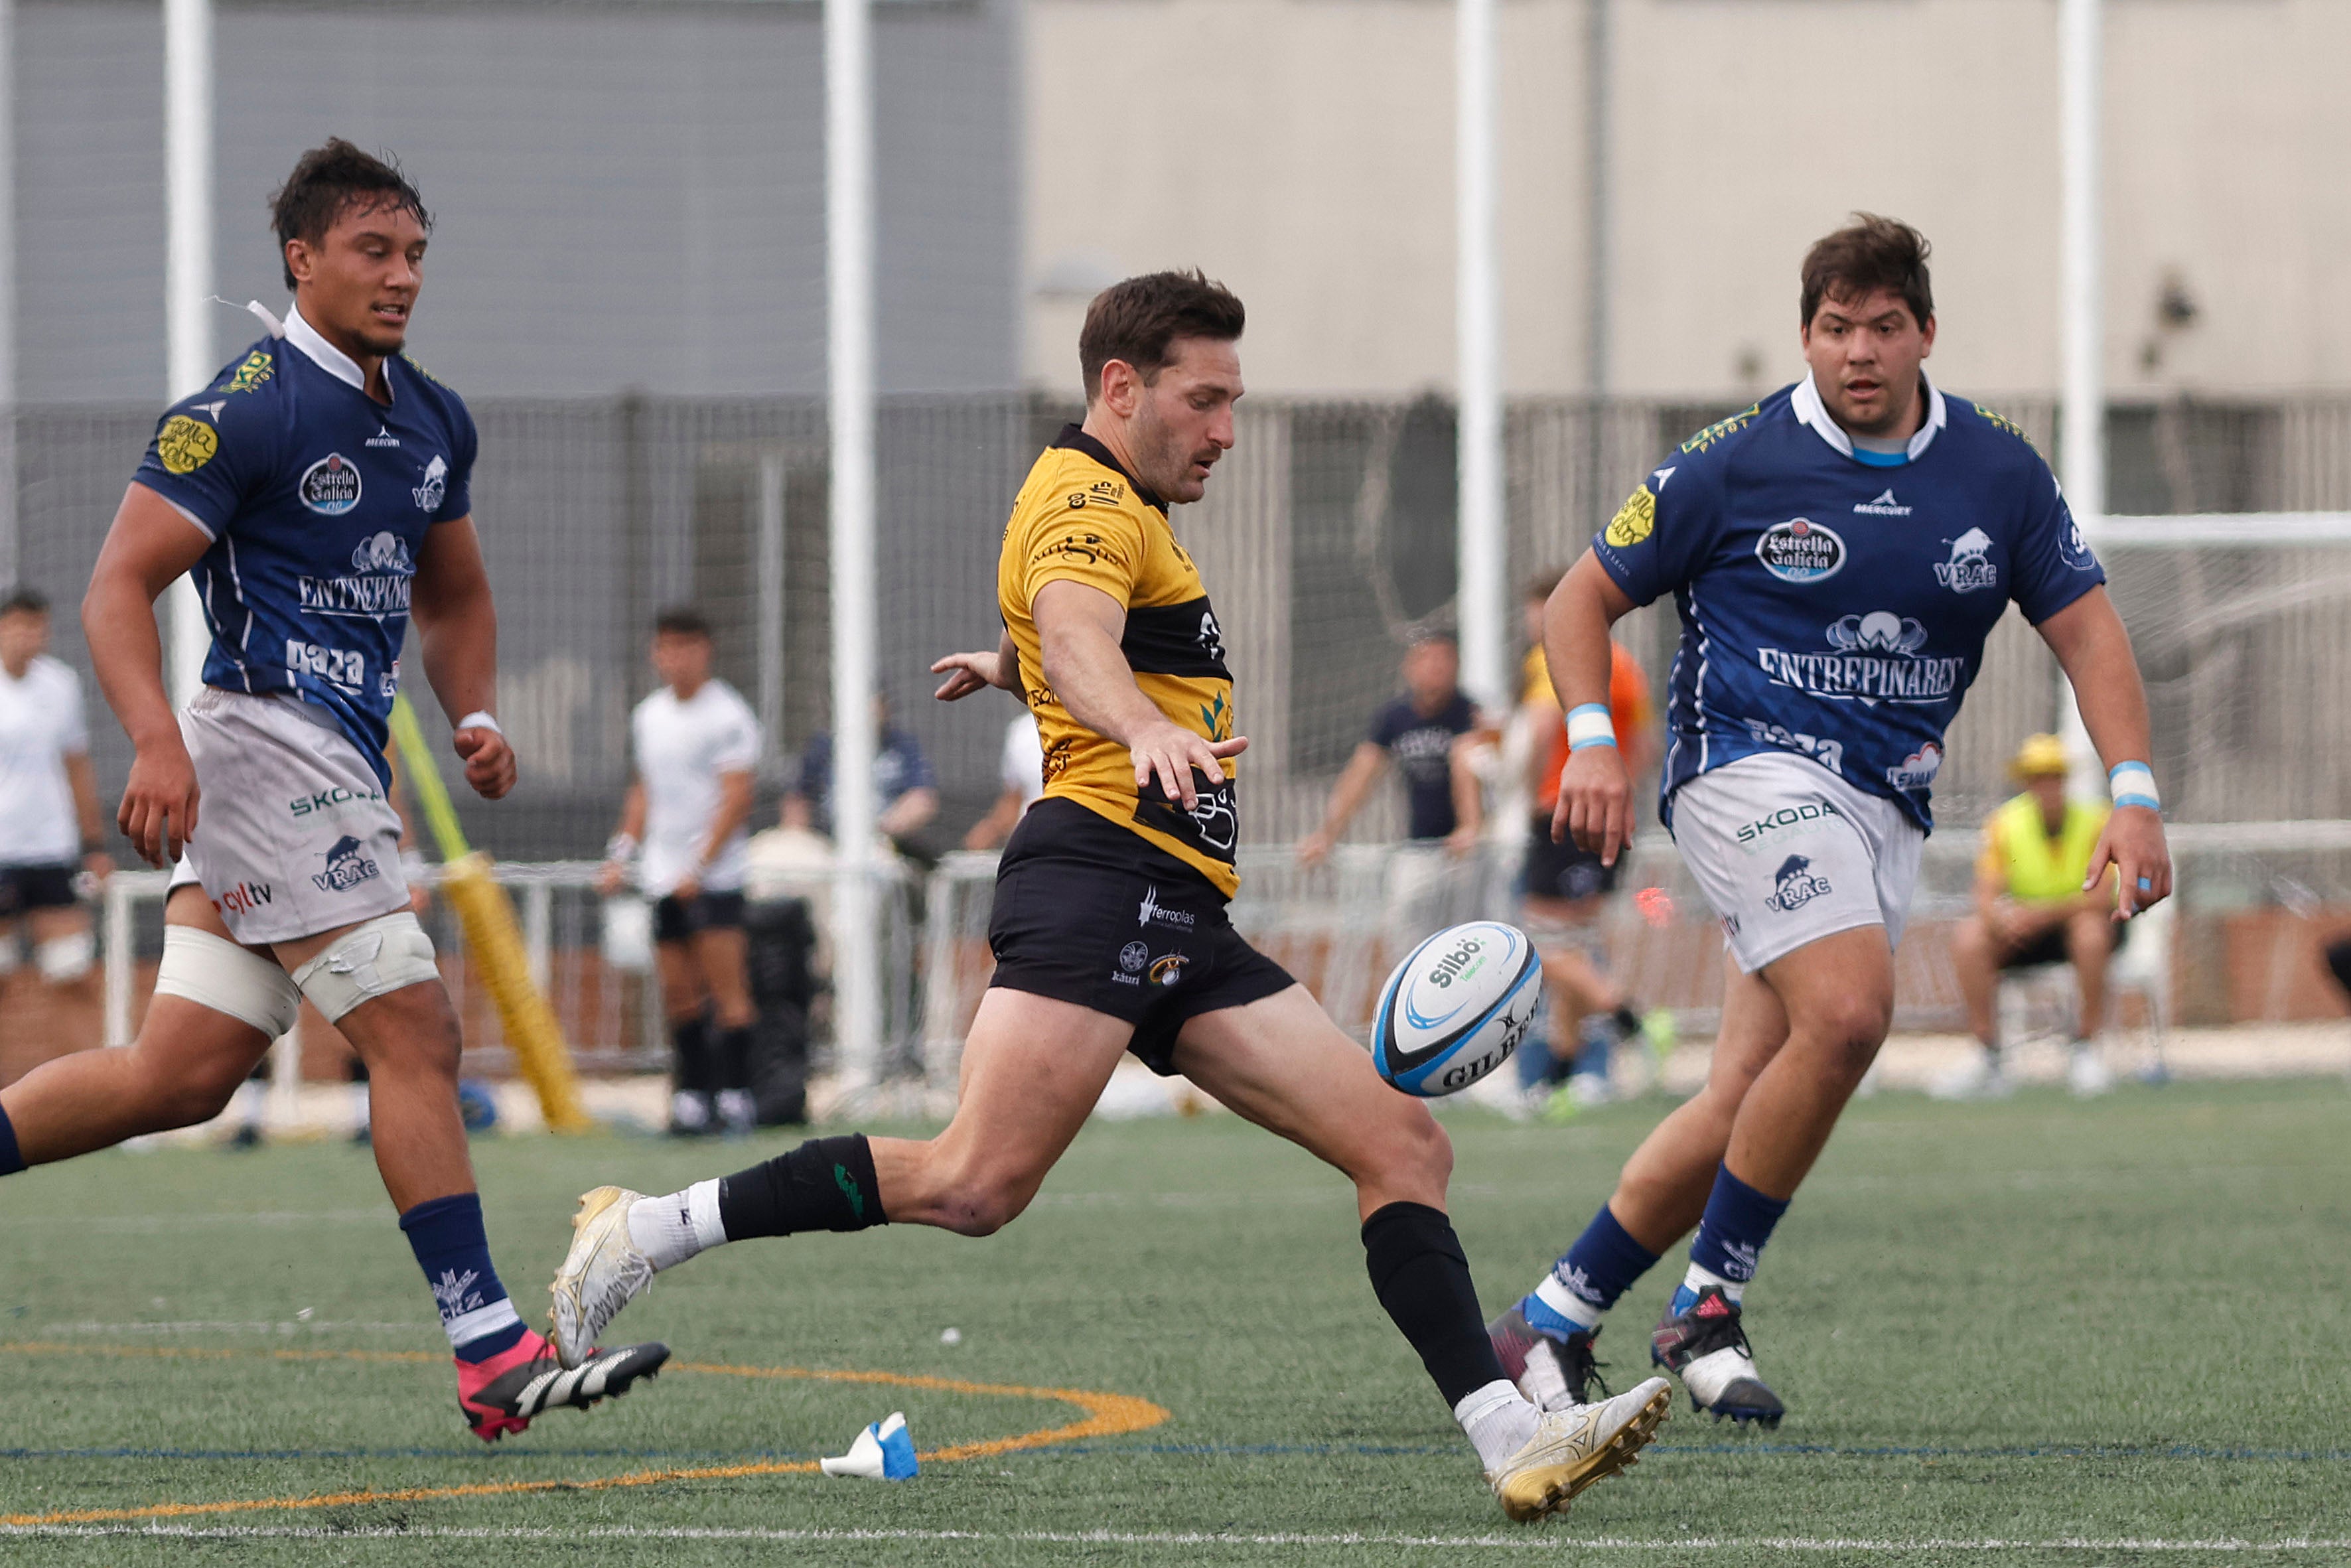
2095,650
457,626
151,544
1595,794
1347,796
969,672
1078,629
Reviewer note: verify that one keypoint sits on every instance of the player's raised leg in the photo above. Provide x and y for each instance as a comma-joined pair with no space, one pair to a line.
1033,1067
1281,1063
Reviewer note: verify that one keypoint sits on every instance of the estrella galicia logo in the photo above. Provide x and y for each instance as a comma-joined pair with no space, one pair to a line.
1969,567
332,485
1796,885
1801,550
435,488
348,865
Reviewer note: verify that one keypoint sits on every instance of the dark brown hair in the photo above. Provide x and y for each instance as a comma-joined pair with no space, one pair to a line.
682,621
327,182
1138,319
1869,254
25,599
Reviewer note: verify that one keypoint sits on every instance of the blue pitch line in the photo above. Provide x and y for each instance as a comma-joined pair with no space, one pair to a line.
1212,1451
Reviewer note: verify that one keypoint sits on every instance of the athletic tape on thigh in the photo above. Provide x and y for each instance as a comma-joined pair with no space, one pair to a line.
214,972
382,956
64,959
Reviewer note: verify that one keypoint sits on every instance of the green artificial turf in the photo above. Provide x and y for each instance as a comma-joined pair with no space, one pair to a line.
2034,1322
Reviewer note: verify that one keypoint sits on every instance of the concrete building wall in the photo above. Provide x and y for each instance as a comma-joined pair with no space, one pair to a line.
1302,149
628,197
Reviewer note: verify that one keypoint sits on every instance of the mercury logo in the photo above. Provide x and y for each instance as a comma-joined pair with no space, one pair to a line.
1882,505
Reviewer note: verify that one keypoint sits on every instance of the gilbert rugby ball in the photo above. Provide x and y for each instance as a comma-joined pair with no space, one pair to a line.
1455,1007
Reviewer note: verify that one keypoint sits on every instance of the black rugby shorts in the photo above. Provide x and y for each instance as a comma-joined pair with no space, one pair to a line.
25,888
1561,870
675,918
1088,913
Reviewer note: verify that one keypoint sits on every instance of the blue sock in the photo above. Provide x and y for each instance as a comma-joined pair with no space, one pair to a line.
455,1252
1598,1044
1600,1267
11,1162
1737,1222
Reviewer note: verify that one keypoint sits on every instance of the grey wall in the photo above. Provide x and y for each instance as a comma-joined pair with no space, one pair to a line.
627,196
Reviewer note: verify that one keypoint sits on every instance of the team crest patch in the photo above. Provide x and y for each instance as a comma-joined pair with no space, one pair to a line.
256,369
2074,547
1636,520
1801,550
1795,885
435,488
330,485
1969,567
1133,956
185,445
348,865
1168,969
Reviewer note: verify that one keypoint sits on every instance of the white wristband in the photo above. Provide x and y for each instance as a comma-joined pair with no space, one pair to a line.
622,847
1588,725
412,867
2133,784
480,718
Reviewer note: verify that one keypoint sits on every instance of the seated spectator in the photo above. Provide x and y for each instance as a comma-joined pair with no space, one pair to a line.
2031,909
905,791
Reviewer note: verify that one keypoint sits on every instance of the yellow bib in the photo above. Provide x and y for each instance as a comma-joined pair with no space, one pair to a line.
2038,870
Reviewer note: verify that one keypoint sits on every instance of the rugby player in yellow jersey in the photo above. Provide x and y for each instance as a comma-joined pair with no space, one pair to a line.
1109,926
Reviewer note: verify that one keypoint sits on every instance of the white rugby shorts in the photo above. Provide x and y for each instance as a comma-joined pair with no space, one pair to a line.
293,837
1787,852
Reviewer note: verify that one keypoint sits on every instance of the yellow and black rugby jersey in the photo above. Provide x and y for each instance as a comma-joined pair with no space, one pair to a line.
1079,517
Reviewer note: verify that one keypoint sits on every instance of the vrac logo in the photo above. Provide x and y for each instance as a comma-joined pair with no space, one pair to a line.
348,865
435,488
1795,885
1970,566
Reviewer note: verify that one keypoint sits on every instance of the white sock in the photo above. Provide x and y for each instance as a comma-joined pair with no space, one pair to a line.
247,1103
1697,1280
1568,1304
671,1229
1497,1421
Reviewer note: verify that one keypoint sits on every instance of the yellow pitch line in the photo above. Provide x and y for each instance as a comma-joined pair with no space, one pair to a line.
1106,1415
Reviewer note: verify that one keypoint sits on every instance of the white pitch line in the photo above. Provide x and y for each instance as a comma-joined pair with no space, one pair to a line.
1546,1542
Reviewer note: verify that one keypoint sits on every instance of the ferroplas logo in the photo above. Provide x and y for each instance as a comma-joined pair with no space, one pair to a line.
1801,550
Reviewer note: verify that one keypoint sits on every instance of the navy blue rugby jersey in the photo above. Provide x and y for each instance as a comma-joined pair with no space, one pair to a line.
316,499
1836,603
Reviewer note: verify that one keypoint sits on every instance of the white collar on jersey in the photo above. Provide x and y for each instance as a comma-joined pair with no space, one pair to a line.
1809,410
325,355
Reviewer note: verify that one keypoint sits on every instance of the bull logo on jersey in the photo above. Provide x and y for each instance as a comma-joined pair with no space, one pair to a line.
435,488
1969,567
1801,550
348,865
1794,885
330,485
1916,770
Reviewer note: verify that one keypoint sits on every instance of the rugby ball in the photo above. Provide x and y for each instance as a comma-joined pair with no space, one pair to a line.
1455,1007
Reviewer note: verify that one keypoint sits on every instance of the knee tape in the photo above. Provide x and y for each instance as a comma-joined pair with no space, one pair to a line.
64,959
387,954
214,972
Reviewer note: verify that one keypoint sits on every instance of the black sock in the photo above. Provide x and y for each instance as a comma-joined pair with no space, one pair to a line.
2338,960
733,1055
1421,1277
689,1039
826,1184
11,1162
1628,1022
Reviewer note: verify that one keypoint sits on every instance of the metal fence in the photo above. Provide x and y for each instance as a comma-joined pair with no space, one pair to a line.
1327,533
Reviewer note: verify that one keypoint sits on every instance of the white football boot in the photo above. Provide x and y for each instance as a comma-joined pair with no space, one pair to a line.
1707,1348
603,1272
2087,1072
1577,1444
1979,1077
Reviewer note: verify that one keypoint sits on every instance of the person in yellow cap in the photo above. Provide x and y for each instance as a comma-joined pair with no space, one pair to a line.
2032,908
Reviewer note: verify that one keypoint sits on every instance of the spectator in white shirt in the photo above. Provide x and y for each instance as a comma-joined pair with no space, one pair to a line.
49,821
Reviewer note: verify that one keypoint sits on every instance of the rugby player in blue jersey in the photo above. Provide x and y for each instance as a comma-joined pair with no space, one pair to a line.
317,493
1837,553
